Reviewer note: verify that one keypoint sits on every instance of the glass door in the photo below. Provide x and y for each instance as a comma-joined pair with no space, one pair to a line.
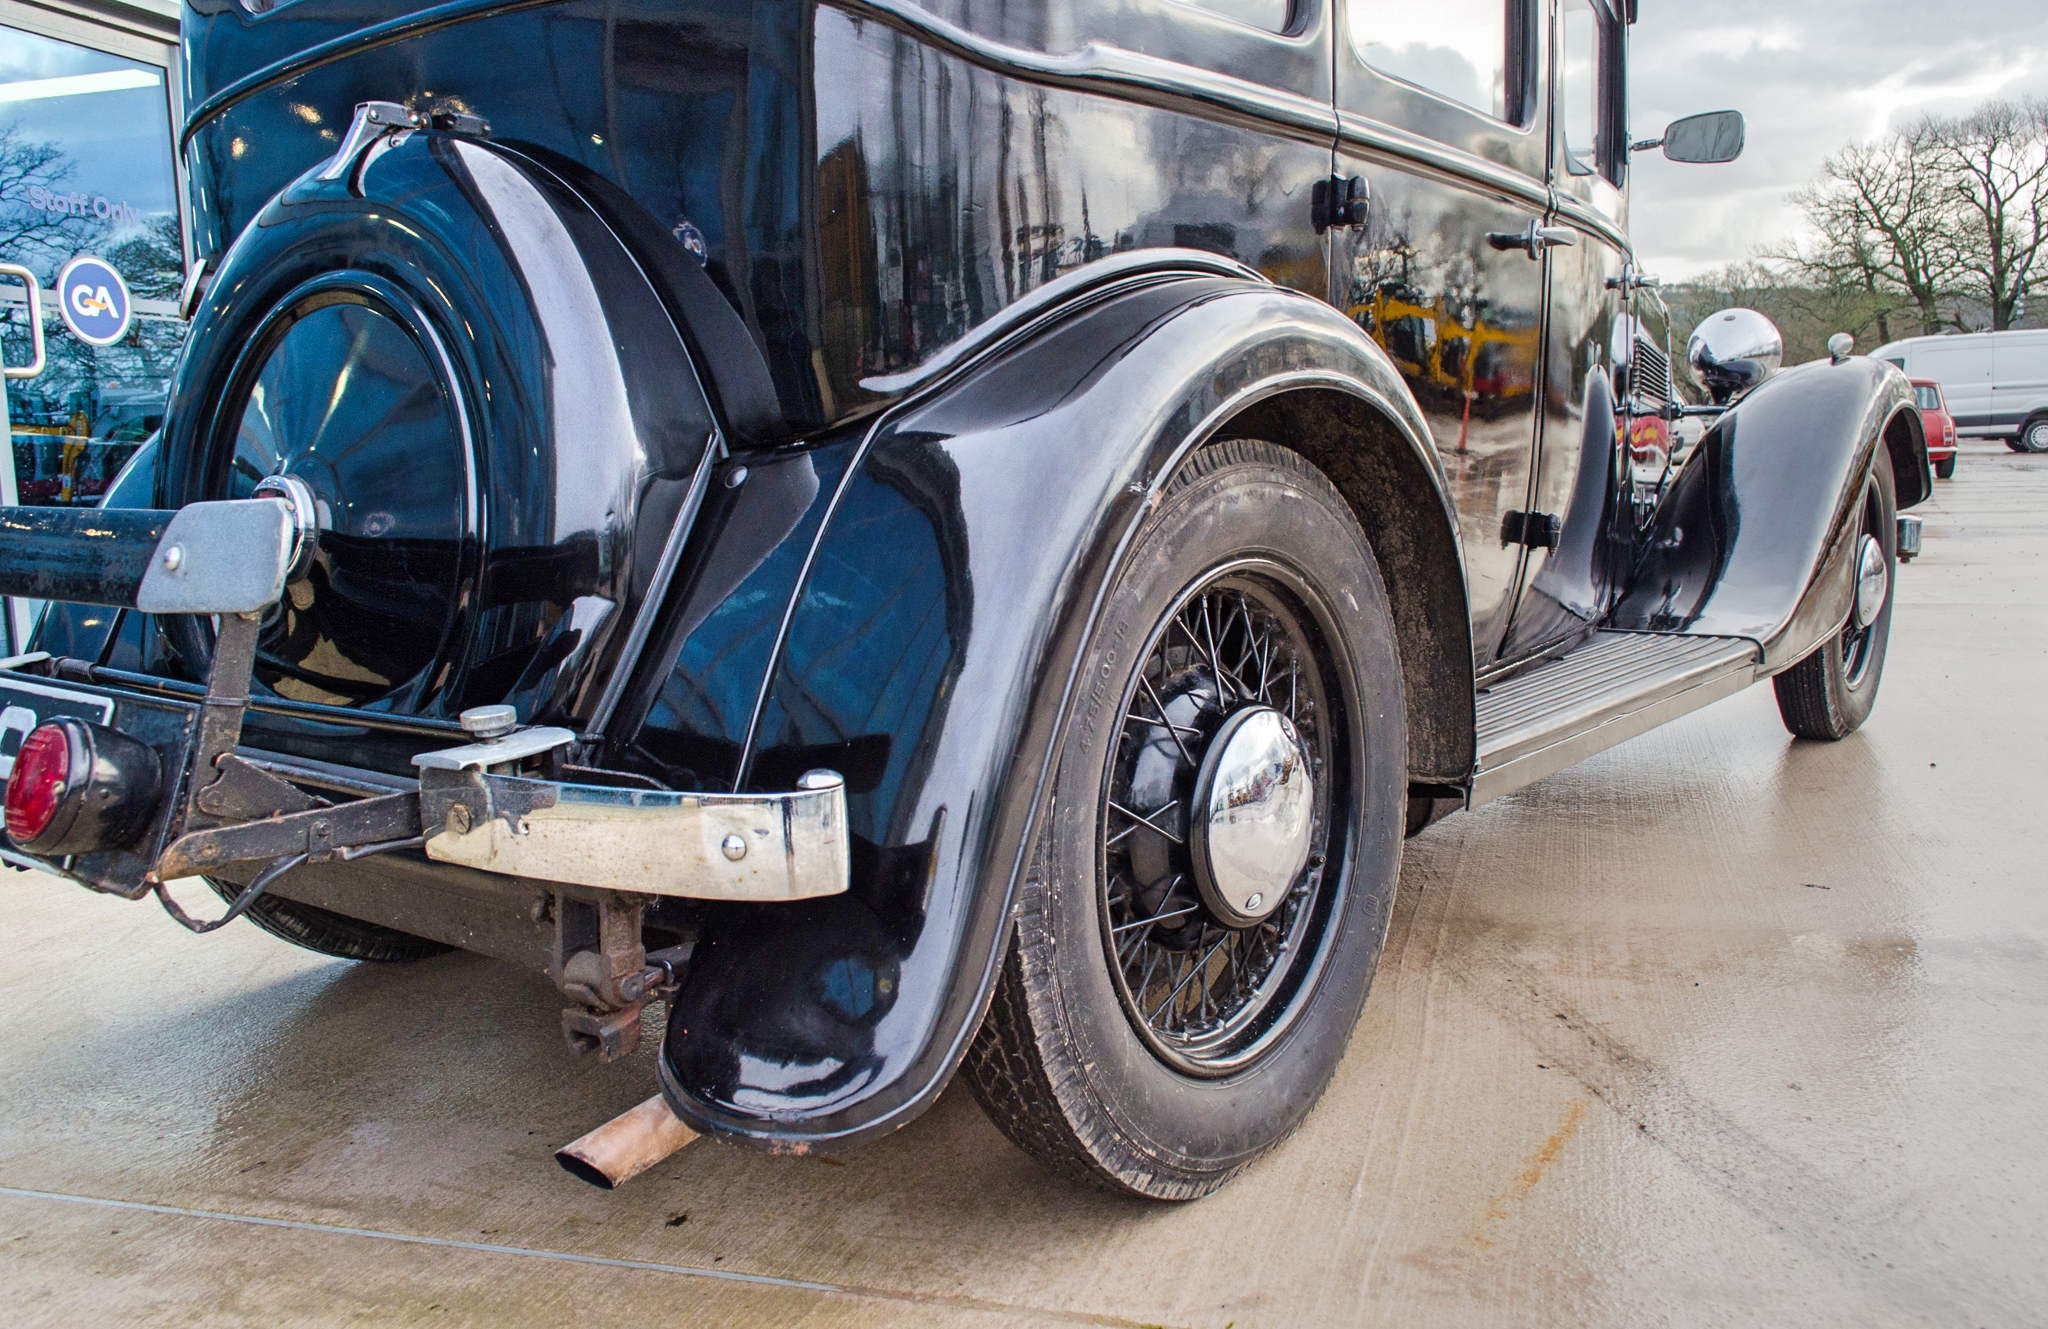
86,170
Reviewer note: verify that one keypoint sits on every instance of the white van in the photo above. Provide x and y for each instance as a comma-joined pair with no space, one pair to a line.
1996,383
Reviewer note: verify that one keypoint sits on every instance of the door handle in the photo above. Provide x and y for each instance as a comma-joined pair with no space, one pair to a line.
35,320
1533,239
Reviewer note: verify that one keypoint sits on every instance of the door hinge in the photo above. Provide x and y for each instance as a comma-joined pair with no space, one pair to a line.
1538,530
1341,200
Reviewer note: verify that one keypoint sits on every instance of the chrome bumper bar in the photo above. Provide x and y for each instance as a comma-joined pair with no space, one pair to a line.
746,847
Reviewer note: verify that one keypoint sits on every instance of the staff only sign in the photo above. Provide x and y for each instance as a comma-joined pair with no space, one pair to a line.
94,300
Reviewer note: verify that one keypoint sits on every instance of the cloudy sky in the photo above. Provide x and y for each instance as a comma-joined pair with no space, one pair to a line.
1810,76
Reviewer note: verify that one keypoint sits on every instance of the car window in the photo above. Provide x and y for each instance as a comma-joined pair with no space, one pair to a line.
1930,398
1455,48
1272,15
1578,87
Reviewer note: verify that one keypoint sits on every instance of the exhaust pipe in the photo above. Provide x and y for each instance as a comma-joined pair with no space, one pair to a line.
625,1146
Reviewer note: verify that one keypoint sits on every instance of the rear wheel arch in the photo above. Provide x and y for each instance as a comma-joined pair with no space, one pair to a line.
1376,467
1905,438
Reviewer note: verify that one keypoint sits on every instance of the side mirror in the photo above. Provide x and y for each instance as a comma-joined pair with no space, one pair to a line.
1713,136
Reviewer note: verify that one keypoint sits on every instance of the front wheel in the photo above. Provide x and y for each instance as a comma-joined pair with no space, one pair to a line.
1212,881
1829,694
2033,435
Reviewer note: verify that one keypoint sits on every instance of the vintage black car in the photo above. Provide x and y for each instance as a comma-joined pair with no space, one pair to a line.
931,538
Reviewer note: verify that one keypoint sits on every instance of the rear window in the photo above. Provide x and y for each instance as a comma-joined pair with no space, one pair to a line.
1455,48
1930,397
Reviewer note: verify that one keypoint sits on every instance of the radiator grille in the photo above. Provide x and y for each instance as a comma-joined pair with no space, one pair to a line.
1651,373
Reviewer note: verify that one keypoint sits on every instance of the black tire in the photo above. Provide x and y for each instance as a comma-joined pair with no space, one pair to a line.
330,933
1945,469
2033,435
1829,694
1060,1063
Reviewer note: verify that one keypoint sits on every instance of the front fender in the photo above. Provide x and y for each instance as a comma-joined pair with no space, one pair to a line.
1756,537
967,557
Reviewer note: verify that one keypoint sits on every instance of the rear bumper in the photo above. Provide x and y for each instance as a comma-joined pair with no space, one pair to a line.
752,847
737,847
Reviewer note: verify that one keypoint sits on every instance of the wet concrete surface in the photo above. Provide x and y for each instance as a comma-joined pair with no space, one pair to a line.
1716,1028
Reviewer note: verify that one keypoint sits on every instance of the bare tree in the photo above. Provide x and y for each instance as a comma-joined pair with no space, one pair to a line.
1884,213
1807,314
25,163
1995,161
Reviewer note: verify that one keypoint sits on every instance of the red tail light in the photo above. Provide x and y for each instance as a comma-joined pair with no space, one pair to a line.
80,788
36,789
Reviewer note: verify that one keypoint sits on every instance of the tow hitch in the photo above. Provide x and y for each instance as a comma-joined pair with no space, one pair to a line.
125,782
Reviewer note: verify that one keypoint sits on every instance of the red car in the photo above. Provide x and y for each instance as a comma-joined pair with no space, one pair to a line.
1940,426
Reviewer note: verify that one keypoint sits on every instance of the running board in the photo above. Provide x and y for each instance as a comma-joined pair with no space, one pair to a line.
1616,686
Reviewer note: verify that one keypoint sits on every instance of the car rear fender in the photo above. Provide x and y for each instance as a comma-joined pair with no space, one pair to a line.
964,566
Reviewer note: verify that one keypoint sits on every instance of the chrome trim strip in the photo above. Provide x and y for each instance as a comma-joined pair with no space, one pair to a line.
1370,138
757,848
1113,267
1578,214
1113,71
340,48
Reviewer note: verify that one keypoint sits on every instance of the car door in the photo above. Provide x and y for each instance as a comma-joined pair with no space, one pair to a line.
2019,378
1962,365
1442,115
1582,473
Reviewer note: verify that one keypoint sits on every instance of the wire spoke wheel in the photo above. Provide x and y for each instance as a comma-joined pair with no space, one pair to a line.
1212,878
1204,991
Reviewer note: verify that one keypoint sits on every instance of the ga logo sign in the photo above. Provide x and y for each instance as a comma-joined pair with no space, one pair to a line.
94,300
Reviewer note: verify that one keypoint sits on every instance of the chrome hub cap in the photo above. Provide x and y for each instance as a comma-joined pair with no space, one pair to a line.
1216,822
1872,581
1254,811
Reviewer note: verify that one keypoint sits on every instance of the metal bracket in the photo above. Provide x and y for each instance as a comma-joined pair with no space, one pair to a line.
1340,201
1632,280
344,831
493,753
1538,530
373,122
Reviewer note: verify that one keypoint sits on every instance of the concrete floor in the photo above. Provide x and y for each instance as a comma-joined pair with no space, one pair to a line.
1715,1028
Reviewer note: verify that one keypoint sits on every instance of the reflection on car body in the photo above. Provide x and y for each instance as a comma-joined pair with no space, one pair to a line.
946,461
